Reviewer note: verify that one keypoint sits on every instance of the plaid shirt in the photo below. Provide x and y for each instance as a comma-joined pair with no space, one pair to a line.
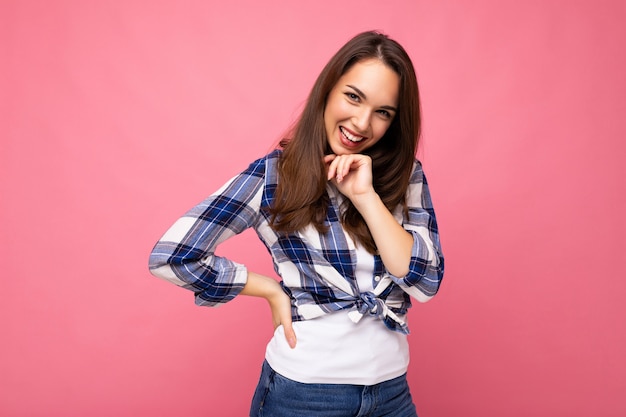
317,270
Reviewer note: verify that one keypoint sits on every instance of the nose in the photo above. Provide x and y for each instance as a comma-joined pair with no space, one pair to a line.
361,120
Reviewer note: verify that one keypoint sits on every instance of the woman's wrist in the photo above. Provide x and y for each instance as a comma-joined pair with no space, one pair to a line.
367,202
262,286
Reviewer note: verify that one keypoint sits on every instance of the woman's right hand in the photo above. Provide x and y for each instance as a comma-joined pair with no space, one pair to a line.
280,304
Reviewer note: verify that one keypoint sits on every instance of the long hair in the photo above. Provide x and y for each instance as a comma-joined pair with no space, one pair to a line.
300,196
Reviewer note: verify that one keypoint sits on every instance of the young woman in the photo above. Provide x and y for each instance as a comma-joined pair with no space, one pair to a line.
344,209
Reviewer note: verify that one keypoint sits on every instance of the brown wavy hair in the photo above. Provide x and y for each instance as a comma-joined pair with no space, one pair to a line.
300,196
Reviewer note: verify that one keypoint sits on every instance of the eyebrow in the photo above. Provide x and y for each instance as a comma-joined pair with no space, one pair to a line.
362,94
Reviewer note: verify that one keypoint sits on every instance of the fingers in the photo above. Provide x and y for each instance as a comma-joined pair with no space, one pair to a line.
281,316
329,158
285,320
330,166
339,166
290,335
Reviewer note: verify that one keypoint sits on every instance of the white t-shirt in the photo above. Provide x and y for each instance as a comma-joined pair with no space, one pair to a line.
332,349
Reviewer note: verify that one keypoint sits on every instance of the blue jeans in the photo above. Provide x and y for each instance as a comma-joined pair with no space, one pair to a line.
277,396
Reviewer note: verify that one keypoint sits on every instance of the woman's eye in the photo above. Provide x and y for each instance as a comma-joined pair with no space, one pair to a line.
384,113
352,96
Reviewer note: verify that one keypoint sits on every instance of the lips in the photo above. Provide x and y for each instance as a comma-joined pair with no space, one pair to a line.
352,137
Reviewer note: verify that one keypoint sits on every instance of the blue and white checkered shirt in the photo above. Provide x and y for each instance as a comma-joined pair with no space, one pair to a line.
317,270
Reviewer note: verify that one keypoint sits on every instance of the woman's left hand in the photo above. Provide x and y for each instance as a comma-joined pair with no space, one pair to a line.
351,174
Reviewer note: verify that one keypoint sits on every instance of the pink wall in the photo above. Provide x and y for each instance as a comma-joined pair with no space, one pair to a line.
116,117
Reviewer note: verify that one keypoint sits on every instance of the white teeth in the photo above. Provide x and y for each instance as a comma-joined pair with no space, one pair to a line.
350,136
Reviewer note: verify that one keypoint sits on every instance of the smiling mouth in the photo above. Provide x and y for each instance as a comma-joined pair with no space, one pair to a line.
350,136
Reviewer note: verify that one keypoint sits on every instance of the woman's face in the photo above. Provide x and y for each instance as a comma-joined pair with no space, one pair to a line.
361,106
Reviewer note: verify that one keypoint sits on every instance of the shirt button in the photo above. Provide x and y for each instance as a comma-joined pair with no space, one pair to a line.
377,278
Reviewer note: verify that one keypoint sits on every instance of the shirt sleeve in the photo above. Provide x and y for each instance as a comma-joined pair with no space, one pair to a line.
427,262
185,255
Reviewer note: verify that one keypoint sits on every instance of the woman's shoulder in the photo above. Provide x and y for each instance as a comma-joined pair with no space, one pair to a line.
271,157
266,161
417,173
274,155
265,166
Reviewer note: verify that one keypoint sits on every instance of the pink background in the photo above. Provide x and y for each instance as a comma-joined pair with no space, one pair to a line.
116,117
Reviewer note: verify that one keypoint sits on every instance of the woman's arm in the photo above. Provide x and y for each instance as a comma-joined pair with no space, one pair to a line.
427,262
410,251
393,242
185,255
352,174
